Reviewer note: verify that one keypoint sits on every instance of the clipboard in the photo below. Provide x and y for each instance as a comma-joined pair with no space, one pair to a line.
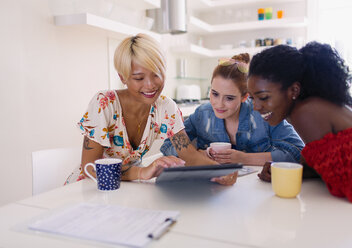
110,224
196,173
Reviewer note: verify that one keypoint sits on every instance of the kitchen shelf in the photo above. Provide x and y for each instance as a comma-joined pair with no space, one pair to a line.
95,21
193,50
226,3
201,27
213,23
203,52
140,4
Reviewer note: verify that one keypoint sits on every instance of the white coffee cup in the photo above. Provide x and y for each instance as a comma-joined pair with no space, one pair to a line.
218,147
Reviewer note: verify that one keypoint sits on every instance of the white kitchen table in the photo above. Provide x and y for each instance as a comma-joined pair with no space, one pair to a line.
247,214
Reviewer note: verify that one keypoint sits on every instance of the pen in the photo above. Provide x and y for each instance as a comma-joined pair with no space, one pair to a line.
160,230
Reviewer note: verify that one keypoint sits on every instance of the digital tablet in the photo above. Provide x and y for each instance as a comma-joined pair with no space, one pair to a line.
193,173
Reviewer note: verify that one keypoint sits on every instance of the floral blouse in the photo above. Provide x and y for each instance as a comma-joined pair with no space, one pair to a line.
103,122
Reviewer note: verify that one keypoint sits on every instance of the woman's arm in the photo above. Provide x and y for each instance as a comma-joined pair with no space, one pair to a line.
187,151
168,149
92,151
286,143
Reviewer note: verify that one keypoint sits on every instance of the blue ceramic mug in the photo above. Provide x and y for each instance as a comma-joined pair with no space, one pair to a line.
108,171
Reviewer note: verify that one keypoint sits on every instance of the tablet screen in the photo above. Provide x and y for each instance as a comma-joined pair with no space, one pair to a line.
192,173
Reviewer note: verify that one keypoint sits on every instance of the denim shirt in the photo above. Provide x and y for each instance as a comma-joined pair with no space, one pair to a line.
253,134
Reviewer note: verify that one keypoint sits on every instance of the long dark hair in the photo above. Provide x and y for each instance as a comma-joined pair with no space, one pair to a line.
317,67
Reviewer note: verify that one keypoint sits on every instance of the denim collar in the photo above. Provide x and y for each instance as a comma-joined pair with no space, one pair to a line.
244,120
219,126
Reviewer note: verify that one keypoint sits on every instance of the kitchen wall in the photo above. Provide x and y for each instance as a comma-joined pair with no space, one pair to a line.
48,74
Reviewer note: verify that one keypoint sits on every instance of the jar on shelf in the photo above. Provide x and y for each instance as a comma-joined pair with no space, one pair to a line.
268,41
259,42
279,41
268,13
260,14
280,14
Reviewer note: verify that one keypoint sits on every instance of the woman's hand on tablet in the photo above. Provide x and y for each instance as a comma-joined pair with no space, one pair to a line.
227,180
155,168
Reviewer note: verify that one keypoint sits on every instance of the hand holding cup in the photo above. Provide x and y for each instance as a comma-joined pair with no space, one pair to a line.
217,147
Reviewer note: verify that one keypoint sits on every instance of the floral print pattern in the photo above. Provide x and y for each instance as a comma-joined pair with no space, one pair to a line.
103,122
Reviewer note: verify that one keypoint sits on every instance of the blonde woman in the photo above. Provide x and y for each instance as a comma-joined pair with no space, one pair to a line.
125,123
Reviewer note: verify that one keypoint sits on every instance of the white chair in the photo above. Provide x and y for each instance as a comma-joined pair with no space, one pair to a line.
51,167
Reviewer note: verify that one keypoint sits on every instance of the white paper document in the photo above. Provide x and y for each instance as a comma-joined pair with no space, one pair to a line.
106,223
246,170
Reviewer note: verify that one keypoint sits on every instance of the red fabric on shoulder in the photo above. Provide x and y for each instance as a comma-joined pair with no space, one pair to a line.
331,158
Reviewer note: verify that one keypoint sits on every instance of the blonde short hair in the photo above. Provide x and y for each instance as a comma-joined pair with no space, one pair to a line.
143,50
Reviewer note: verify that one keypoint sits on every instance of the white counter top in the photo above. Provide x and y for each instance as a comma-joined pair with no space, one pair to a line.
188,108
247,214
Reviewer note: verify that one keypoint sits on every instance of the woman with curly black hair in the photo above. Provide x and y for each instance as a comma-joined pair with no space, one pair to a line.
310,88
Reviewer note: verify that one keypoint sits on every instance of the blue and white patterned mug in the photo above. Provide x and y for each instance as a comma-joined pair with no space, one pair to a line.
108,171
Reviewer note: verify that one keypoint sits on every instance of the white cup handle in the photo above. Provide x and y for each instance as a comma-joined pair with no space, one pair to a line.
208,153
88,174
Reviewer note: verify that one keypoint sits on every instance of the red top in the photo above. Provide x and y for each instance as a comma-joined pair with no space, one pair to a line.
331,158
